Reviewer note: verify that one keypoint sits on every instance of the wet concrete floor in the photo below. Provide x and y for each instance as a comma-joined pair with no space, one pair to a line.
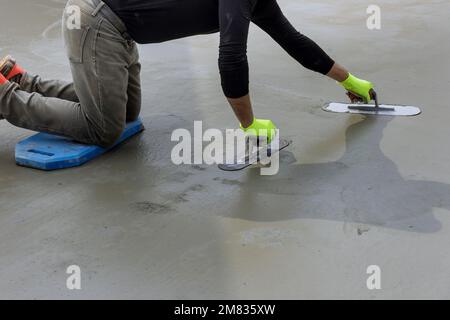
352,191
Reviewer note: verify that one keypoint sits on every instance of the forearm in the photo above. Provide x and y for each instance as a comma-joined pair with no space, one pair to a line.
234,21
269,17
357,89
242,108
338,73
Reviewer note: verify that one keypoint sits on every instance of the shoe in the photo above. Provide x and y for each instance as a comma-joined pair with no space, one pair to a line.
3,80
10,69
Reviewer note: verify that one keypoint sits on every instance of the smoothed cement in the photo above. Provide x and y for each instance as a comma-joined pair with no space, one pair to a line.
352,191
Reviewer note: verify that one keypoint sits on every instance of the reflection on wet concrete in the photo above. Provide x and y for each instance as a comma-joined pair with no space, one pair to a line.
364,186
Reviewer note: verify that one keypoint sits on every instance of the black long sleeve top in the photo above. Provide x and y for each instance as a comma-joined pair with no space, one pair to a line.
153,21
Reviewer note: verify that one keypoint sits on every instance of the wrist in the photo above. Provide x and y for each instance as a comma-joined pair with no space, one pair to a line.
247,126
350,82
359,87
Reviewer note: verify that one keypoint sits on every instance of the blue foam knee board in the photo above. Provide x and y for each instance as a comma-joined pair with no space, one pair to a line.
51,152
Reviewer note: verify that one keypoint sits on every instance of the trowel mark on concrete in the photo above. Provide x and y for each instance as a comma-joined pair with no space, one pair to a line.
228,182
268,237
362,229
199,167
151,207
46,33
184,195
196,187
179,176
364,186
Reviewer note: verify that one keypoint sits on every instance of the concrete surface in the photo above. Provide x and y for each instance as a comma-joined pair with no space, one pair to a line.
352,191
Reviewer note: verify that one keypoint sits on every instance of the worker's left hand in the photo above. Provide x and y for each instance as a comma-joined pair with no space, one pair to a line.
261,128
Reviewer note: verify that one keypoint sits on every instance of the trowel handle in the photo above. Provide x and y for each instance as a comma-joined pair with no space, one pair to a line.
374,96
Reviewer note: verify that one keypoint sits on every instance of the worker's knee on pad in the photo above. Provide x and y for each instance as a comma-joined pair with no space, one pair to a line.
132,116
110,137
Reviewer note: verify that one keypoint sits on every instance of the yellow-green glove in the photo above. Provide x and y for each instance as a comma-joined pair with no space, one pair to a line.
359,87
261,128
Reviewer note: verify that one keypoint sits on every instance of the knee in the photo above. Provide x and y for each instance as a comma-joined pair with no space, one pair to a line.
110,136
133,107
132,116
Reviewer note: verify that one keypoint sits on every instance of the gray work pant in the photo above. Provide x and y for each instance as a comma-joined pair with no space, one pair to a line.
105,93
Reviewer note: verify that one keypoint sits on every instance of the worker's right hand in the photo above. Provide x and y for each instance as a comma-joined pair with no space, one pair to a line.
358,89
261,128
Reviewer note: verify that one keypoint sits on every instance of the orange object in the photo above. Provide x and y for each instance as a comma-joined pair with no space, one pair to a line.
16,70
9,68
3,80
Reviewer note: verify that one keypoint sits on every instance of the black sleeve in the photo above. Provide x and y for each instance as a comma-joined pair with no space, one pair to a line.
269,17
234,21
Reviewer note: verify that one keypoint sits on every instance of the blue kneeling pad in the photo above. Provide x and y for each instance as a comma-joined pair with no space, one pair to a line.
51,152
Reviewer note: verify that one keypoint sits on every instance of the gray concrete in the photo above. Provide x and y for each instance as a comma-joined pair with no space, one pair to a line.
352,191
